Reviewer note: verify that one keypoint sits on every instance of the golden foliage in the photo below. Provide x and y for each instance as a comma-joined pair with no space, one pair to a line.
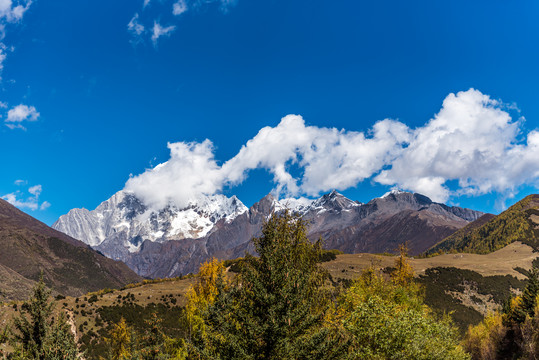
201,295
120,341
403,273
483,340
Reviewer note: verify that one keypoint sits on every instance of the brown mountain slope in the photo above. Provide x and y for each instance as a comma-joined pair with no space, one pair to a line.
28,247
14,286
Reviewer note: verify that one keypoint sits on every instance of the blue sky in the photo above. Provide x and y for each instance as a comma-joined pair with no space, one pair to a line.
92,93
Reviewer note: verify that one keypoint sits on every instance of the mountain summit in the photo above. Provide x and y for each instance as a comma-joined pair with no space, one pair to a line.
175,240
123,221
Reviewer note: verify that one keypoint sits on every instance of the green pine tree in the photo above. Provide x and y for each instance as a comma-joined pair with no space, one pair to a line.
60,343
526,306
36,334
32,325
276,309
152,341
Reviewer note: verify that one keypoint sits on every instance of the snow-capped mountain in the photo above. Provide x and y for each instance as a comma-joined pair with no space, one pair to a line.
303,206
175,241
124,221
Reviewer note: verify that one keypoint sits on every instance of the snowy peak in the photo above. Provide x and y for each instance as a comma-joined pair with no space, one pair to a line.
299,205
125,220
335,201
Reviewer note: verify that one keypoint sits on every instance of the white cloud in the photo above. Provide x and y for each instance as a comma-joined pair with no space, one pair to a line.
20,113
3,56
35,190
134,27
9,13
225,5
20,182
12,13
179,7
472,142
29,203
330,158
159,31
137,26
349,157
190,172
45,205
26,201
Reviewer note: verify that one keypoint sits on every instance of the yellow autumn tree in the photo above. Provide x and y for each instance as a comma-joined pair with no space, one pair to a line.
201,295
120,341
483,340
403,273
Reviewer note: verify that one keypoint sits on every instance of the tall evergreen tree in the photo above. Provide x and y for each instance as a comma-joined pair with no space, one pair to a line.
60,343
32,324
37,335
152,342
526,306
276,309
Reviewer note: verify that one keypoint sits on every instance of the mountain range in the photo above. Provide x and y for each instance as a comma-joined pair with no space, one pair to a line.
175,240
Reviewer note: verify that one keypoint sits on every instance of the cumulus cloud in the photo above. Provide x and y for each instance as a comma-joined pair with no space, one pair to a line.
330,158
3,57
349,157
9,13
19,114
35,190
29,200
225,5
472,142
45,205
159,31
190,172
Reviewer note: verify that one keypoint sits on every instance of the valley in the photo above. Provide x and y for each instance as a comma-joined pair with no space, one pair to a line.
463,292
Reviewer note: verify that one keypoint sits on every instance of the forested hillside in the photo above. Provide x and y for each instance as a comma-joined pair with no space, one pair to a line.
518,223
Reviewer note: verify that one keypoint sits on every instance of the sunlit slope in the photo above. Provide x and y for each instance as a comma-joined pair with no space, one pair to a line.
518,223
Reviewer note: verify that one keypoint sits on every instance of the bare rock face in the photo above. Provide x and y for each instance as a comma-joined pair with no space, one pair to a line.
175,241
